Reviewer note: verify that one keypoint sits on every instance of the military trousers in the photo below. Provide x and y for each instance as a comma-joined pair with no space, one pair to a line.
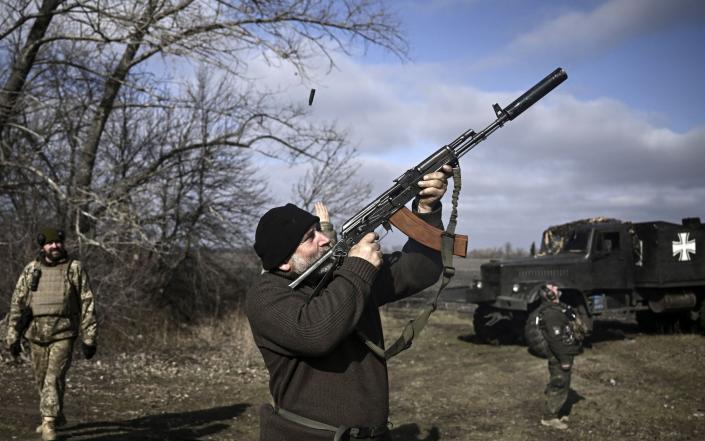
50,363
557,388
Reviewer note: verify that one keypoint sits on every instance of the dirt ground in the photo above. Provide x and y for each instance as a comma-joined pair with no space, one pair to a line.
627,386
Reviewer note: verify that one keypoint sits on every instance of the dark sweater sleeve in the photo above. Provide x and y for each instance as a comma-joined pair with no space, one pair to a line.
284,322
413,269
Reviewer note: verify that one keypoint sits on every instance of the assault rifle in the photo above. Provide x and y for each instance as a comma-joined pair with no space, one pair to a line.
389,207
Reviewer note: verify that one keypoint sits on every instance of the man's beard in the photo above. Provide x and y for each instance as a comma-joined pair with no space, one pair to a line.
299,265
56,255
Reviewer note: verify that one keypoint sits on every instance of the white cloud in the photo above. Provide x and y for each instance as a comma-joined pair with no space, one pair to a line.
562,160
578,33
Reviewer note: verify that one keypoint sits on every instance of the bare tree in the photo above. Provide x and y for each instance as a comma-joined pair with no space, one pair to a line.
333,180
97,137
25,58
220,33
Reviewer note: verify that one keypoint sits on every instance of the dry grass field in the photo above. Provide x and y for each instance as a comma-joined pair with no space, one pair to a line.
628,386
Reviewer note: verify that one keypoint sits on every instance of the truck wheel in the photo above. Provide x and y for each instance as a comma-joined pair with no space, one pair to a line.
494,326
518,323
534,337
701,317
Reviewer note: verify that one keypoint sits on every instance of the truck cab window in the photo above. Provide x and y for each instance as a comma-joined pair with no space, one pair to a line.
576,242
608,242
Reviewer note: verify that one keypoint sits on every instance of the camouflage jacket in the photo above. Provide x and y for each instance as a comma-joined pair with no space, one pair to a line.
46,329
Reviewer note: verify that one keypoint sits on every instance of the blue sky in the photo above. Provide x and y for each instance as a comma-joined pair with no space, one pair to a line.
647,53
623,137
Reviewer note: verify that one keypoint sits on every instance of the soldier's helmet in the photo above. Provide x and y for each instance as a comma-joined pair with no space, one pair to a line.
547,294
50,234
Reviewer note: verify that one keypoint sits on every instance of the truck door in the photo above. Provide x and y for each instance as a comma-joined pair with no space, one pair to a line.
611,260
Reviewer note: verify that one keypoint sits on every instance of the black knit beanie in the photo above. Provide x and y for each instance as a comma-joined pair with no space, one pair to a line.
49,234
279,233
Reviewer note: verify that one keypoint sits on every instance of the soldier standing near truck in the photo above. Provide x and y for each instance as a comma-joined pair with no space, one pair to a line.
562,345
51,304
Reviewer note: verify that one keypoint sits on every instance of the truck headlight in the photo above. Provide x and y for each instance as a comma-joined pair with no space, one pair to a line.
516,287
477,284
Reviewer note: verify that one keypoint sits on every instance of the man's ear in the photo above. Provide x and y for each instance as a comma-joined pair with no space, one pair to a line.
285,267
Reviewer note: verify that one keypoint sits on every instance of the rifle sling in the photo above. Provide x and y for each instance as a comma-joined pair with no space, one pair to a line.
415,326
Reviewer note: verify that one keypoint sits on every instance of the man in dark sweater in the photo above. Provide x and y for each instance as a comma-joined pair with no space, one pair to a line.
325,382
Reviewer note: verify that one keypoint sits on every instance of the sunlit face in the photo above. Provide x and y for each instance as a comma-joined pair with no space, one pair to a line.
53,250
554,289
312,247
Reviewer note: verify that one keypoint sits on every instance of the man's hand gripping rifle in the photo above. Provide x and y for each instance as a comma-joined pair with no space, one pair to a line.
389,207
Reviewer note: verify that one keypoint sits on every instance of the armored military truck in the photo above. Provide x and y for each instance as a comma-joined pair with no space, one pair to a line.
655,270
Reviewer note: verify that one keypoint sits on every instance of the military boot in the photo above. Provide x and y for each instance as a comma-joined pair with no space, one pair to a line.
554,423
58,422
48,429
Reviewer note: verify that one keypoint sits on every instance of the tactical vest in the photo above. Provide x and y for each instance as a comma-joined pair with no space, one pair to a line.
55,294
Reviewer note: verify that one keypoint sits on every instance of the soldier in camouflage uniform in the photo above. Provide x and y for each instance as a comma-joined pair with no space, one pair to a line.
53,291
557,329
